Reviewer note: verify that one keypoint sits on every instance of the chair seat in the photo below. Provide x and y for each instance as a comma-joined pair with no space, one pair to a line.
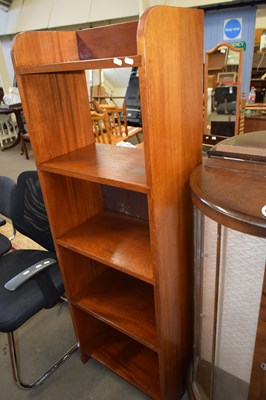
229,108
5,245
20,305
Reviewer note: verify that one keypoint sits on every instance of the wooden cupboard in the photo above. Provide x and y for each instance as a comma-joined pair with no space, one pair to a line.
128,275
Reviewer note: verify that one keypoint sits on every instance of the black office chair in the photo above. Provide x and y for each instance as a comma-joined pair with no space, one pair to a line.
225,99
30,280
7,191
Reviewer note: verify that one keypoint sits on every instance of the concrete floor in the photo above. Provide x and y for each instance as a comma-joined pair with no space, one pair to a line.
43,340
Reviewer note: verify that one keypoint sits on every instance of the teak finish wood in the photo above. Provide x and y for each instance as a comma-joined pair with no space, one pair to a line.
172,122
118,241
80,65
140,364
167,45
121,167
100,300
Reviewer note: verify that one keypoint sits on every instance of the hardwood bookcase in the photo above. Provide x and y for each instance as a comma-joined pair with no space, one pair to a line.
128,275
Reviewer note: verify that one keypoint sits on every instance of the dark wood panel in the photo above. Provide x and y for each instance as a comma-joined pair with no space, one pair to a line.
125,201
221,193
255,123
116,40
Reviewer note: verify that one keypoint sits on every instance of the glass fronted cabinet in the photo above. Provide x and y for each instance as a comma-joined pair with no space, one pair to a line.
229,359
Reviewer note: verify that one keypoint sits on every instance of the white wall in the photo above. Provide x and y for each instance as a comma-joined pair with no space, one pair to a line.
26,15
6,67
61,14
261,18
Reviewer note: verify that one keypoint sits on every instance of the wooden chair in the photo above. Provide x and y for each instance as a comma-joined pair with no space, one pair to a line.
24,139
255,120
242,114
118,122
101,128
107,128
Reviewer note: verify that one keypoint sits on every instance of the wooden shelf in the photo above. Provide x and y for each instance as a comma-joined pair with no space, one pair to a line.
139,368
113,165
114,62
115,240
123,302
216,68
126,357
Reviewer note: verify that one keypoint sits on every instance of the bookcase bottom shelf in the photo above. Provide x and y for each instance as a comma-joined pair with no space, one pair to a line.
123,355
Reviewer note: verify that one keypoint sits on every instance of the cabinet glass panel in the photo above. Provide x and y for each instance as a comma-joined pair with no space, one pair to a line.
229,273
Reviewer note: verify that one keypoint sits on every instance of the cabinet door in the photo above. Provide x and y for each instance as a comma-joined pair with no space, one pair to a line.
257,390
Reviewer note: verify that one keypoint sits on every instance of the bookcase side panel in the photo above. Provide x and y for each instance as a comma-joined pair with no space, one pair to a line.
170,41
33,48
57,112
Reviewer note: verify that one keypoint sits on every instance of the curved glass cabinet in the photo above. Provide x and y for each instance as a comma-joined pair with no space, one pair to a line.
230,288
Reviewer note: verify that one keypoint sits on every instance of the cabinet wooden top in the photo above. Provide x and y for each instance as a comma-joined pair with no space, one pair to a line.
231,194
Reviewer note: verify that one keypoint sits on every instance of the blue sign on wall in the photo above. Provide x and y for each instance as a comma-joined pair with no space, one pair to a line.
232,28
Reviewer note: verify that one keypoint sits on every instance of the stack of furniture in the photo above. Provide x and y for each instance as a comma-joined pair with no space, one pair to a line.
127,268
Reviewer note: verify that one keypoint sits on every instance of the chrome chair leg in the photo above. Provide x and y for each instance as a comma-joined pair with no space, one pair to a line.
42,378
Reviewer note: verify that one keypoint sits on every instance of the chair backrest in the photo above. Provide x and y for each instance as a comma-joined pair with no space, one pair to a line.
117,118
28,210
225,93
7,196
101,127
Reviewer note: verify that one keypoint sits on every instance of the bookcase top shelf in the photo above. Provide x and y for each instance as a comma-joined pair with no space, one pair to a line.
67,66
116,166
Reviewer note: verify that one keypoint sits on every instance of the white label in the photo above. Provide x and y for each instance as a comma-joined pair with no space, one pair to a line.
129,60
117,61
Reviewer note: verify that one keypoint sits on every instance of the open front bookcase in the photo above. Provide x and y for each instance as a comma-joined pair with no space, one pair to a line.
128,273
